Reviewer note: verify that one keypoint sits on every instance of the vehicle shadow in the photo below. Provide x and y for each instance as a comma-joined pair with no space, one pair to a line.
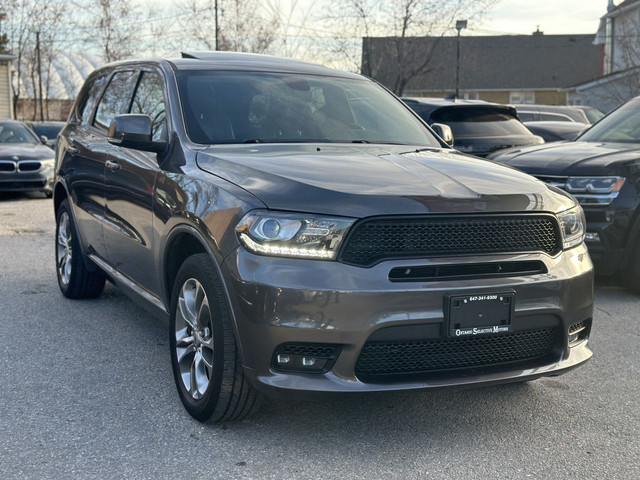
18,196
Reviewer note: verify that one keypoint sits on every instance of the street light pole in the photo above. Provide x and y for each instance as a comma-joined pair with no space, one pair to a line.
460,24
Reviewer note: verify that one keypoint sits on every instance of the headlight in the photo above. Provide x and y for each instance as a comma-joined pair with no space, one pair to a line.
594,184
572,225
292,234
48,162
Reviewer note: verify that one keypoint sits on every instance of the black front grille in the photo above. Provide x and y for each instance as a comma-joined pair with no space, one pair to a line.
372,241
7,166
439,356
30,166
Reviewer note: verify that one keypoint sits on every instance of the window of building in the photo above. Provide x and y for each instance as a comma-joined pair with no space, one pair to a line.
522,96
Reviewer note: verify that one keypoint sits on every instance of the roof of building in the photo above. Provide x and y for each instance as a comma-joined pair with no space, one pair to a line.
623,7
507,62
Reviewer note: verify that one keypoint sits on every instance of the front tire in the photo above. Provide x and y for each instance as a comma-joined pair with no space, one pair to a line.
208,375
74,278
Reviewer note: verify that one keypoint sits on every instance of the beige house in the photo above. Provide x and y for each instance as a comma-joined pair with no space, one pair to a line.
6,97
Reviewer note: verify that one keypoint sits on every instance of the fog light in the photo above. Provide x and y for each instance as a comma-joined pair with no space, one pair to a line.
592,237
305,357
578,332
283,359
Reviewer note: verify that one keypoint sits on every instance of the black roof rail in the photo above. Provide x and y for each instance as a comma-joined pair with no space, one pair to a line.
189,55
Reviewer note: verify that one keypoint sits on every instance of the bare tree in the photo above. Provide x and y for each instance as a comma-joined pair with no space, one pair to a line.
244,26
401,21
111,26
33,34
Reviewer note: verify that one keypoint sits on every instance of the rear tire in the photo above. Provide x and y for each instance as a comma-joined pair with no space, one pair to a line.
208,375
74,278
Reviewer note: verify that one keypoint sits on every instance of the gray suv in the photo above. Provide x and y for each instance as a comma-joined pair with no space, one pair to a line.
303,230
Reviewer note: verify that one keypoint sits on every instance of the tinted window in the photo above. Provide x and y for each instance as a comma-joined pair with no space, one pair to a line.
149,100
479,122
554,117
116,98
17,133
593,115
49,131
89,99
229,107
526,116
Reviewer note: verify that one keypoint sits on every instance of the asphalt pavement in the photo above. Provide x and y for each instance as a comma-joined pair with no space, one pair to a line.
86,391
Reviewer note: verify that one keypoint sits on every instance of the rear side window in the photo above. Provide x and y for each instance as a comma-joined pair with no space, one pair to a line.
554,117
527,117
116,98
149,100
89,98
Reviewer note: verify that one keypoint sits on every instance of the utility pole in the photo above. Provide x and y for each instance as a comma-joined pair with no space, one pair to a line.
217,26
460,24
39,76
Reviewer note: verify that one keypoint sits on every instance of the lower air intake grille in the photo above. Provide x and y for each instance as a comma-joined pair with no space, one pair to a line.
448,354
378,239
308,349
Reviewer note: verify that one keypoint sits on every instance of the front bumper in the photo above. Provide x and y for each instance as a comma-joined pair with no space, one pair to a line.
38,180
613,227
278,300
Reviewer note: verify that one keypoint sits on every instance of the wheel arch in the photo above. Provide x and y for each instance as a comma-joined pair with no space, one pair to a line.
59,194
183,241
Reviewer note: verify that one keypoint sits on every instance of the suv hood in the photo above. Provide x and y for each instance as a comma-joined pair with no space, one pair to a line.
359,181
572,158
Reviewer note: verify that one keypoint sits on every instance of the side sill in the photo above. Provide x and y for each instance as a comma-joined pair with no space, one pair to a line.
129,284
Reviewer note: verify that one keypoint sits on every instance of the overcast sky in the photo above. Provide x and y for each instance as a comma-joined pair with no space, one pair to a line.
553,17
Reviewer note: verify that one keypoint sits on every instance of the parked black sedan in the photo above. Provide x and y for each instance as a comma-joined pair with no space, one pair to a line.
478,128
25,163
601,168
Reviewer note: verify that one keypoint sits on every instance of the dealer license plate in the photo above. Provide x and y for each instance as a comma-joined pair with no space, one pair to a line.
472,315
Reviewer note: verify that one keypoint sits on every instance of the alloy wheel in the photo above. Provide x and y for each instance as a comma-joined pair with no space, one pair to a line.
64,250
194,338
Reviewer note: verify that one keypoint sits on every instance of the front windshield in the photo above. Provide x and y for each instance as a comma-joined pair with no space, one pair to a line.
250,107
622,125
16,133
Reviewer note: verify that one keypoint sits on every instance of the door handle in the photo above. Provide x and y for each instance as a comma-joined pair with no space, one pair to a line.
111,165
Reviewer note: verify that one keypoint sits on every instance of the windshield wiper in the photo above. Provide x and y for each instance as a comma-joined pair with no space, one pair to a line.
253,140
360,141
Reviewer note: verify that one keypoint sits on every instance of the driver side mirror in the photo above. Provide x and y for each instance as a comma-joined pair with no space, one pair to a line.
133,131
44,139
444,132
